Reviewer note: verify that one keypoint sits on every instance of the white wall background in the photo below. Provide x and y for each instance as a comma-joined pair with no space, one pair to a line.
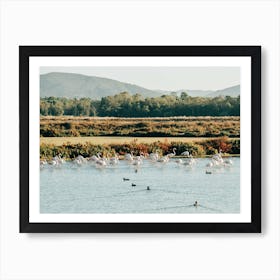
131,256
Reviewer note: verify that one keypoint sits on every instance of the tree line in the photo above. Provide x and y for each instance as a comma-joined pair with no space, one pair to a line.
127,105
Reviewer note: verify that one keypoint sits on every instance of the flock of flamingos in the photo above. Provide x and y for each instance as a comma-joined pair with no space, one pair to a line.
101,161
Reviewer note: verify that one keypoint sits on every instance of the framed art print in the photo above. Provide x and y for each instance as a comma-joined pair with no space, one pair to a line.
140,138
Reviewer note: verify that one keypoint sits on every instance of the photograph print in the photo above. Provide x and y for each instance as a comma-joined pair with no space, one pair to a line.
153,140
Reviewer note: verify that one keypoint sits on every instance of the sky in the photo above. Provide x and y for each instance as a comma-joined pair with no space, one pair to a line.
162,78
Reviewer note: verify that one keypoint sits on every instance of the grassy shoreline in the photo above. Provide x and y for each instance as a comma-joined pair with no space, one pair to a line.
71,147
101,140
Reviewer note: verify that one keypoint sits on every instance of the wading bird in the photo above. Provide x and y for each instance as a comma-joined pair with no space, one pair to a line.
114,160
43,163
79,160
186,153
53,161
94,158
172,154
102,162
154,156
129,157
163,159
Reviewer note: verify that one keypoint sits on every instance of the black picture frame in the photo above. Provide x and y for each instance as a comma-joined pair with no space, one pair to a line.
25,52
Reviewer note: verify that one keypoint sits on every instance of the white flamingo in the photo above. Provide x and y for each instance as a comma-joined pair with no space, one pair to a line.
54,161
94,158
186,153
129,157
217,159
79,160
114,160
172,154
142,155
154,156
60,160
101,162
137,161
43,162
163,159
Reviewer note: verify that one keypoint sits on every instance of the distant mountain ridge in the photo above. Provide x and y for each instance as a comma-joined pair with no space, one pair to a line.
233,91
71,85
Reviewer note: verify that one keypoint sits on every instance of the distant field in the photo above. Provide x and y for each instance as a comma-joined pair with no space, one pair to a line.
59,141
202,127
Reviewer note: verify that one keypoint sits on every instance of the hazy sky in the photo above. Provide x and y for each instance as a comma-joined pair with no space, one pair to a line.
164,78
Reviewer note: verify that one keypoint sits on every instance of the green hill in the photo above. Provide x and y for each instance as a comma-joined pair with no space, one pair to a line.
76,85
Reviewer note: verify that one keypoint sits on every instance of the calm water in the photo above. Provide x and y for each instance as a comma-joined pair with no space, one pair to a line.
173,188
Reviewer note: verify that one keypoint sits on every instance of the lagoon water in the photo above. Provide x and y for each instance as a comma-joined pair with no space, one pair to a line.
173,188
